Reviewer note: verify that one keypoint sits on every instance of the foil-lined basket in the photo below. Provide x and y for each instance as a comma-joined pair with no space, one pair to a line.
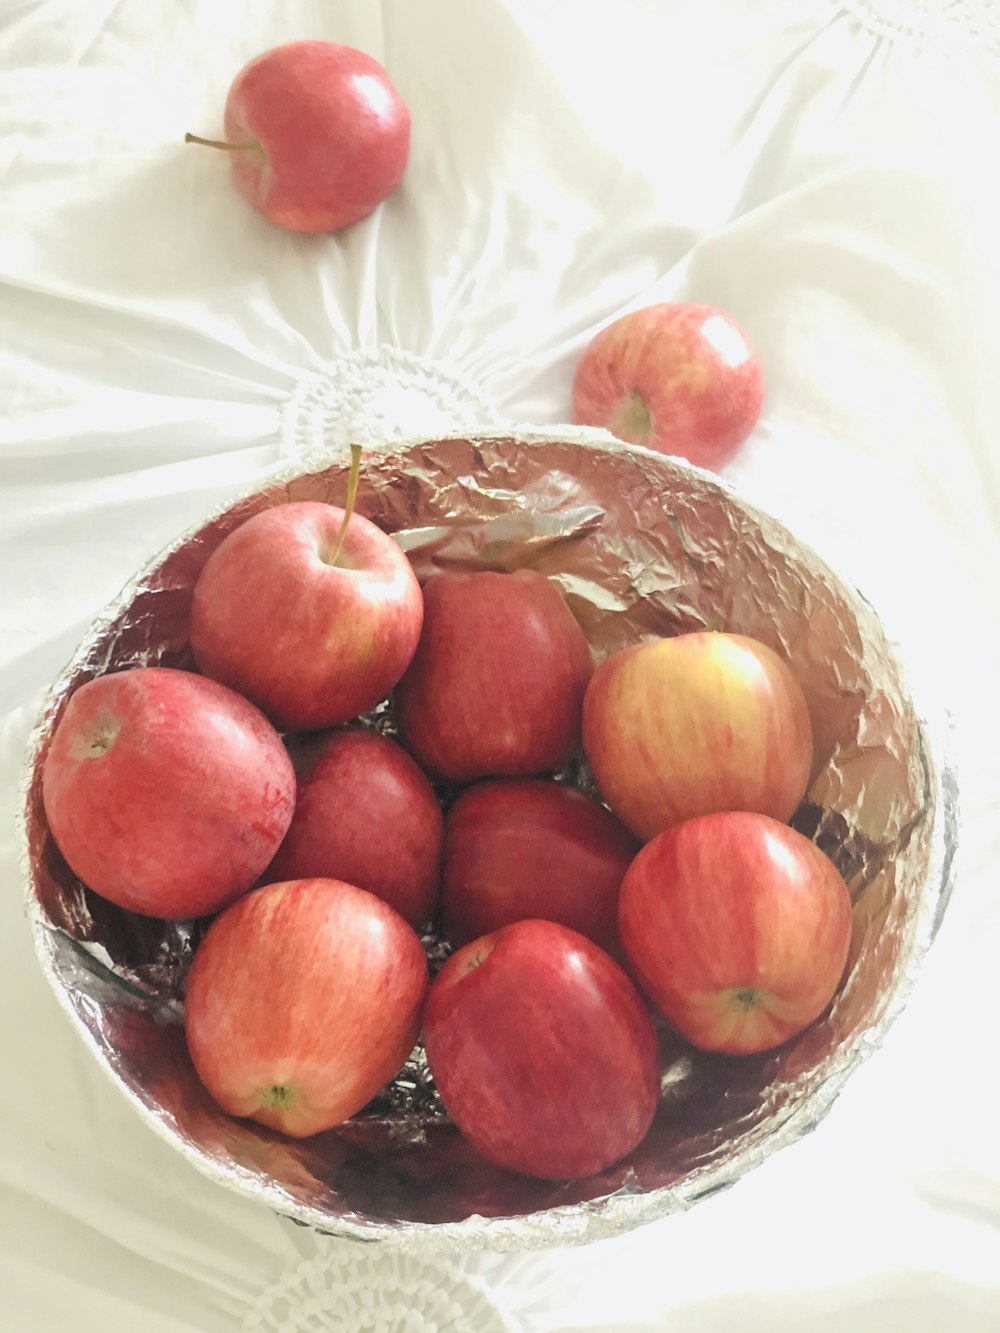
641,546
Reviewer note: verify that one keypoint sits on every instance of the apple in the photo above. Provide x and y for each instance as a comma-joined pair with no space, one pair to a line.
166,793
737,928
302,1002
317,136
680,378
531,847
543,1051
674,728
495,688
366,814
309,610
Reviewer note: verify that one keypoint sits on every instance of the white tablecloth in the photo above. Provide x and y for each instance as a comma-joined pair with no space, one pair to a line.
825,171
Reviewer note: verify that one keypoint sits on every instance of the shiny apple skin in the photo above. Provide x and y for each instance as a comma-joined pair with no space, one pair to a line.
738,929
695,724
365,813
543,1051
311,643
324,136
166,793
682,378
303,1000
496,685
530,847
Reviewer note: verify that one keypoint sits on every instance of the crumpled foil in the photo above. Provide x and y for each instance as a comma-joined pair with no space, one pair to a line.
641,545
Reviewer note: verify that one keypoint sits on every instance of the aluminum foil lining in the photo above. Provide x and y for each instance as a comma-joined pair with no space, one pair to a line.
642,546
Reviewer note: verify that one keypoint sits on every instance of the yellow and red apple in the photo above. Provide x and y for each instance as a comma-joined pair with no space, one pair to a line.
702,722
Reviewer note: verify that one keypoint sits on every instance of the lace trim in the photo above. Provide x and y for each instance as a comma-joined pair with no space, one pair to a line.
967,24
376,395
381,1292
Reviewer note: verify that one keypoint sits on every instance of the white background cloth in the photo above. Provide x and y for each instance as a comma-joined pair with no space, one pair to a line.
827,172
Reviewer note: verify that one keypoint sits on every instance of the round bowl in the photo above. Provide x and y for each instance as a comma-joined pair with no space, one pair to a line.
641,545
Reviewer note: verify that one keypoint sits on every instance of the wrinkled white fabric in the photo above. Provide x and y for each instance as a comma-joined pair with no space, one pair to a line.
823,170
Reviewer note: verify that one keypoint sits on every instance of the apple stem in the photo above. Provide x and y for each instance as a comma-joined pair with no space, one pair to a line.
281,1095
102,742
352,495
479,956
216,143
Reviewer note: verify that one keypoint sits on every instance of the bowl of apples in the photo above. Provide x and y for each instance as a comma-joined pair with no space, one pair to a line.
492,841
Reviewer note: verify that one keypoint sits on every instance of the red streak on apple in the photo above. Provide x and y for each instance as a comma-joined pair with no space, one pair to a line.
317,134
365,813
166,793
543,1051
703,722
530,847
312,643
679,377
496,685
738,929
303,1001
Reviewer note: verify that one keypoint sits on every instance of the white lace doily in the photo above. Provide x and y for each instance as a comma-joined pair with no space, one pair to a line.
374,1292
973,25
375,395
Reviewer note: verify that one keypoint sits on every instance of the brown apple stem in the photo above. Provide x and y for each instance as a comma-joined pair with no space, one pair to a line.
216,143
352,495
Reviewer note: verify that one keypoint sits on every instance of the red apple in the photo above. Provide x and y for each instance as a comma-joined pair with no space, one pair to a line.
496,685
529,847
317,136
302,1002
312,635
687,726
366,814
166,793
542,1051
680,378
737,928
